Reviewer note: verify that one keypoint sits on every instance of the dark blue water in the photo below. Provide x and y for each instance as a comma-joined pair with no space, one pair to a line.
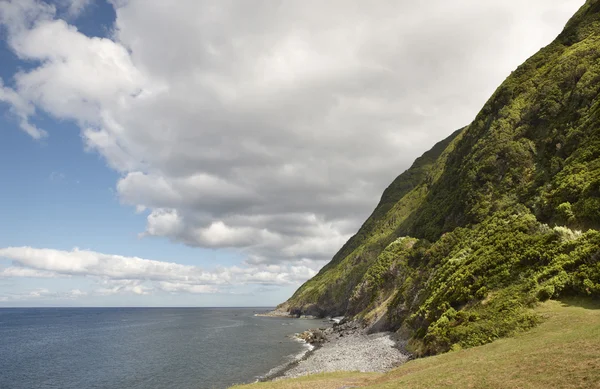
141,348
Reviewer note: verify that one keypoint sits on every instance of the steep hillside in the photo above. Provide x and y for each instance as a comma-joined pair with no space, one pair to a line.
328,291
500,215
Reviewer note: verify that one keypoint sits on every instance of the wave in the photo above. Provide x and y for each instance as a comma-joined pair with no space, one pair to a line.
291,361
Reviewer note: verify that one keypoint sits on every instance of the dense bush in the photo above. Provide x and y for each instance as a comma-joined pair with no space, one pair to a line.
477,283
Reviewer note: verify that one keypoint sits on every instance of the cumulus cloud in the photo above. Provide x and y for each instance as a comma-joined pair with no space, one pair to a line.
75,293
110,287
22,109
28,272
177,287
18,16
268,127
118,274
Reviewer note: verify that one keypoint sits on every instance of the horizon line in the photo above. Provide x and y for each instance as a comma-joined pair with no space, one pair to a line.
140,306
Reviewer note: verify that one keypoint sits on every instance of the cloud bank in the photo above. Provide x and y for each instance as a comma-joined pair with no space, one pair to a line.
269,127
119,274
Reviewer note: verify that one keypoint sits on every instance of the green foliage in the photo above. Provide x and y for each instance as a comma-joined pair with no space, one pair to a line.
382,277
490,221
331,288
565,212
477,283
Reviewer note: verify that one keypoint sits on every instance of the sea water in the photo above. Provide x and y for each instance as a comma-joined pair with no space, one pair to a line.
142,348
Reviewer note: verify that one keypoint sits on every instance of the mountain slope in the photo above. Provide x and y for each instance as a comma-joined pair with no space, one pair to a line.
498,216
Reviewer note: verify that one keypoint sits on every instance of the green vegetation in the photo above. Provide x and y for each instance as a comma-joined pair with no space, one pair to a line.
500,216
316,381
562,352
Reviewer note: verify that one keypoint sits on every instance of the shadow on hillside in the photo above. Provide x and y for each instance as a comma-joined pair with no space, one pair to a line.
582,302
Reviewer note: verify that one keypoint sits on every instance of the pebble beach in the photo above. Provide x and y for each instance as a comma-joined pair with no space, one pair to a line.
349,348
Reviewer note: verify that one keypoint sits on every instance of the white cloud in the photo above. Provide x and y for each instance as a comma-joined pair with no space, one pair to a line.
76,293
164,222
90,263
79,77
268,129
118,274
218,234
177,287
22,109
18,16
44,293
112,287
28,272
40,292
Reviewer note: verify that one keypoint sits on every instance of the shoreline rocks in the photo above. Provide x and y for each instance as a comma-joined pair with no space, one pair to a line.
313,336
284,314
347,347
276,313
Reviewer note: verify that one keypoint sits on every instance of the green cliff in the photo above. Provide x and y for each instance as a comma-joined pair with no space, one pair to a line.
502,214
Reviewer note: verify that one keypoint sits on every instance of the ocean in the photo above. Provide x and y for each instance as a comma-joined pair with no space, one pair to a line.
142,348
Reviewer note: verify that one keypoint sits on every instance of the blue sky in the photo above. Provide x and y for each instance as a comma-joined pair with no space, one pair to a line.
219,154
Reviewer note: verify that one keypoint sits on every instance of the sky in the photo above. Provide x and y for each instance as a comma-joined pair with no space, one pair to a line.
218,153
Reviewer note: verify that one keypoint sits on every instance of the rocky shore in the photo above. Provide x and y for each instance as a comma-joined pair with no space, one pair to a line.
284,314
347,347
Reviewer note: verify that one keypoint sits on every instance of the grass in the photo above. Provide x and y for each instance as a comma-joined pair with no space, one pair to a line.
317,381
562,352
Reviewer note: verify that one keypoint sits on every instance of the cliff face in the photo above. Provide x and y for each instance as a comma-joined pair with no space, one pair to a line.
501,214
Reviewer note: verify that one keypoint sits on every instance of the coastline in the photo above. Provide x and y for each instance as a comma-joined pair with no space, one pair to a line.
342,347
307,338
284,314
279,372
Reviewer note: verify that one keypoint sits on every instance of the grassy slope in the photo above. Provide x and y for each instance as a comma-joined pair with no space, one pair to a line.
562,352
